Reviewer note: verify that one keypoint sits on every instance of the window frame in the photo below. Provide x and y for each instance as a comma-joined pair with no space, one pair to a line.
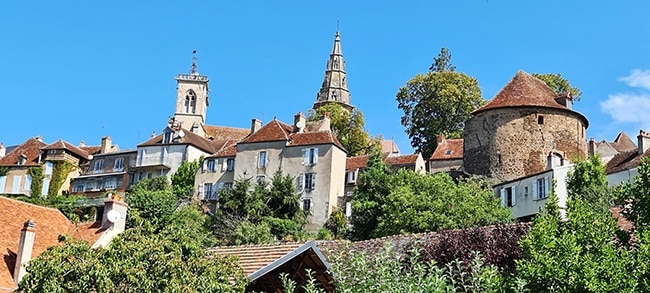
118,165
262,158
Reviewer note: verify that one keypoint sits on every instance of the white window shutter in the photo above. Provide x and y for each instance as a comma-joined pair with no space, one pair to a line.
200,191
313,181
534,187
546,186
315,156
224,165
305,157
205,166
503,196
514,195
301,182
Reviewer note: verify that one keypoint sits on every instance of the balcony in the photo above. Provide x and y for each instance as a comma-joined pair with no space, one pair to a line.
152,161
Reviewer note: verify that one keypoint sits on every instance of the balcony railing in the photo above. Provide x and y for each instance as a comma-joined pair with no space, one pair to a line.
154,161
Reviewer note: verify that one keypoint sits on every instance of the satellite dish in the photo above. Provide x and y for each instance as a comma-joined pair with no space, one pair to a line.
300,124
113,216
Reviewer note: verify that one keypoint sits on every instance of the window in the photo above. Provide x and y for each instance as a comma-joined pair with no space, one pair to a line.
190,102
310,181
99,166
119,164
167,137
261,160
230,164
260,178
310,156
540,188
48,168
227,185
448,152
508,196
52,152
79,188
207,188
210,165
22,159
540,119
3,182
28,183
306,204
351,176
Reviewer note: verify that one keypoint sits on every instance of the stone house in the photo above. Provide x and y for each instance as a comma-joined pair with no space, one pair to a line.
216,172
608,149
63,151
448,155
624,166
511,136
107,172
27,230
16,180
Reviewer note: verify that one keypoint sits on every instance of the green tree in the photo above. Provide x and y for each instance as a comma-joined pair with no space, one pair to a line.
183,178
635,197
437,103
372,187
153,200
442,62
588,182
348,127
559,84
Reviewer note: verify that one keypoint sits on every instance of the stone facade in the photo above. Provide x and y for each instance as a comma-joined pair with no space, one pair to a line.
510,143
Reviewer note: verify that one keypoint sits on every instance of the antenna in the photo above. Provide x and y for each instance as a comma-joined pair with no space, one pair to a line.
337,25
194,70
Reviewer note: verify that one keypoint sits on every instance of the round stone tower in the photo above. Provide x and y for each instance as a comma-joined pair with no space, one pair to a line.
524,128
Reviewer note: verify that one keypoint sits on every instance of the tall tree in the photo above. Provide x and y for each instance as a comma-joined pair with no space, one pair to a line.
588,182
635,197
349,127
183,178
559,84
442,62
437,103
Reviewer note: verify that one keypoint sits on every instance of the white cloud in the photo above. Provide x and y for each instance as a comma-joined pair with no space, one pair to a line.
637,78
629,108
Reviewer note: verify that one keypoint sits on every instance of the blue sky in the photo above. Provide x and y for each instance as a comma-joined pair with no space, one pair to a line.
80,70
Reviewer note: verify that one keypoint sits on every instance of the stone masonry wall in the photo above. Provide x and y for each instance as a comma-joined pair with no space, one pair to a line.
509,143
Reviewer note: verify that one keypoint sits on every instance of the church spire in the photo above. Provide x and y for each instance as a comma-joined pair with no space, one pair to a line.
335,86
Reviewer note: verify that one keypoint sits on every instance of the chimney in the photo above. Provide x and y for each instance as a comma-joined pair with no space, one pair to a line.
117,223
106,146
82,144
153,134
644,141
25,247
39,138
299,122
326,121
439,139
3,150
256,124
591,147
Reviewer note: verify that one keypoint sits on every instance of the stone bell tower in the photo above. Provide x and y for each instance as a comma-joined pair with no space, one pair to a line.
335,86
192,99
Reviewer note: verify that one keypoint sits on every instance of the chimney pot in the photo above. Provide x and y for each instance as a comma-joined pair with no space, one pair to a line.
256,124
25,247
299,122
3,150
643,142
440,138
106,145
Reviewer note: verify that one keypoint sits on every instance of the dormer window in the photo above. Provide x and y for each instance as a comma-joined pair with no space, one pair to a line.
448,152
22,159
190,102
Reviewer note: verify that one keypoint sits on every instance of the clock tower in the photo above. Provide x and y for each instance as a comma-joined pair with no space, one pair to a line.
192,99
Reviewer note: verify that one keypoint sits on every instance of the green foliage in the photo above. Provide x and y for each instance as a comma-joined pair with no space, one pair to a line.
258,212
36,188
588,182
136,261
4,170
409,202
442,62
635,197
67,204
559,84
183,179
337,224
348,127
60,172
437,103
153,199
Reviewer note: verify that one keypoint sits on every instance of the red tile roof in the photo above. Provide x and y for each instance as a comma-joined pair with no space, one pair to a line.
525,90
91,150
50,223
225,133
229,149
31,148
255,257
623,143
402,160
389,146
313,138
64,145
624,161
448,149
359,162
189,138
272,131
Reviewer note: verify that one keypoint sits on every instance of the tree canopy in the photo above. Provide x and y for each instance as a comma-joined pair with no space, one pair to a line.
437,103
348,127
559,84
183,178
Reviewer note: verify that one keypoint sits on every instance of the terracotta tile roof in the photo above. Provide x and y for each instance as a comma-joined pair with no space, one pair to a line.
31,148
91,150
50,223
254,257
624,161
189,138
402,160
389,146
272,131
526,90
623,143
229,149
225,133
64,145
448,149
359,162
313,138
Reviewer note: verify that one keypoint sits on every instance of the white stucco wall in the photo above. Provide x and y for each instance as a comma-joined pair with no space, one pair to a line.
617,178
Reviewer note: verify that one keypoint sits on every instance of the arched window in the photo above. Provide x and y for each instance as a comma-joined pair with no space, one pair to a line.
190,102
